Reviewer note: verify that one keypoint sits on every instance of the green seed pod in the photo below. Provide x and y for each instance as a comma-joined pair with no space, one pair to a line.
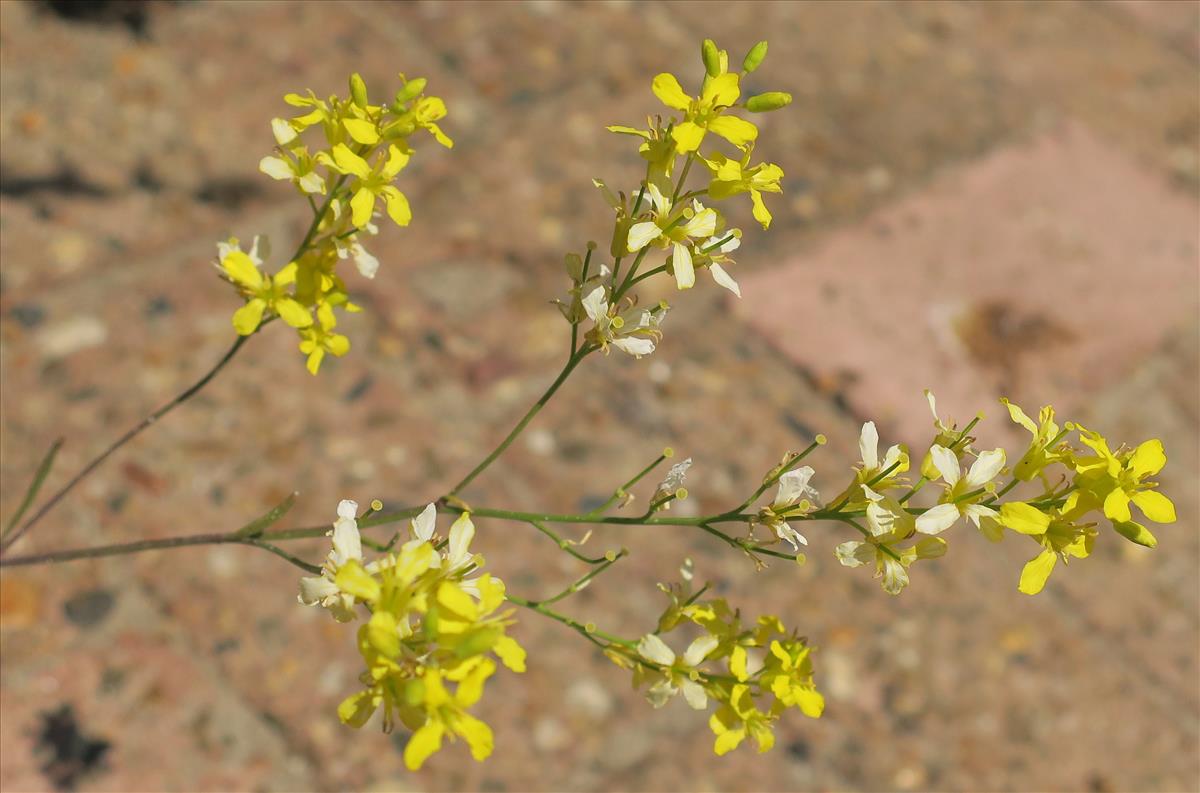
711,57
771,100
358,90
754,57
411,89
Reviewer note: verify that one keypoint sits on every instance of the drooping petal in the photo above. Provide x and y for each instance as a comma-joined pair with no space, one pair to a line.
637,346
760,211
423,743
693,694
681,263
1036,571
724,279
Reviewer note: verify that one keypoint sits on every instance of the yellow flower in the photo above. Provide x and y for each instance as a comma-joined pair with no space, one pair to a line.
732,722
1039,455
730,177
1113,482
703,114
372,183
1062,537
265,294
316,340
680,228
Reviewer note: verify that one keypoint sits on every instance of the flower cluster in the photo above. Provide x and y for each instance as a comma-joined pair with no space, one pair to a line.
755,672
363,148
660,215
1079,486
429,641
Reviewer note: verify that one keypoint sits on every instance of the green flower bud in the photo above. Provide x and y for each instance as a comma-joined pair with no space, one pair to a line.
358,90
711,57
411,90
754,57
771,100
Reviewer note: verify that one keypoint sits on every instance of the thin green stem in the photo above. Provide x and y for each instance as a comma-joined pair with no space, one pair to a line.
623,490
536,408
775,476
565,545
43,470
583,580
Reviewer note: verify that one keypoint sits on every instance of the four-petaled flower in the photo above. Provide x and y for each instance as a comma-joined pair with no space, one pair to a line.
961,491
703,114
674,227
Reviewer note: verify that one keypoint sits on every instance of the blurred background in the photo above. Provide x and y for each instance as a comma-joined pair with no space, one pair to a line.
984,199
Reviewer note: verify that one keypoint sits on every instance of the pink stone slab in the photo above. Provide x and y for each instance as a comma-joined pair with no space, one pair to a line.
1043,271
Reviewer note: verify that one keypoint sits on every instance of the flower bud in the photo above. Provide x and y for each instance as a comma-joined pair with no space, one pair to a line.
711,57
771,100
411,89
574,265
358,90
754,57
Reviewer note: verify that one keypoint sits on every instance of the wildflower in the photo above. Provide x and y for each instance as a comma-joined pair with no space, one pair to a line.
1044,432
871,468
674,674
675,228
634,331
347,546
795,496
738,718
294,163
265,294
891,564
372,183
788,672
960,495
731,177
703,114
1113,482
1061,537
318,339
657,149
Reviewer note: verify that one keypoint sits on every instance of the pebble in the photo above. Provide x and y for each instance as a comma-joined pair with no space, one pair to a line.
90,608
550,735
589,697
541,442
75,334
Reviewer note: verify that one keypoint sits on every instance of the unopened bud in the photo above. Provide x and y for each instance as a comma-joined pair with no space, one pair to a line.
358,90
711,56
411,89
771,100
754,57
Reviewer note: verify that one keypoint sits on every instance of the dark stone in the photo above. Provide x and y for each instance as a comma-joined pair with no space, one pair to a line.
159,307
356,391
68,753
30,315
88,609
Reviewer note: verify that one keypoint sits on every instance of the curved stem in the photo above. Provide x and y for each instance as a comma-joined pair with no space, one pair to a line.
124,439
569,367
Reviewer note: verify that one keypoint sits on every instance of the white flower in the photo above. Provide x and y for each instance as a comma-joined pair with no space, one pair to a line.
634,331
675,675
457,554
887,516
679,238
793,490
955,501
868,448
347,545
